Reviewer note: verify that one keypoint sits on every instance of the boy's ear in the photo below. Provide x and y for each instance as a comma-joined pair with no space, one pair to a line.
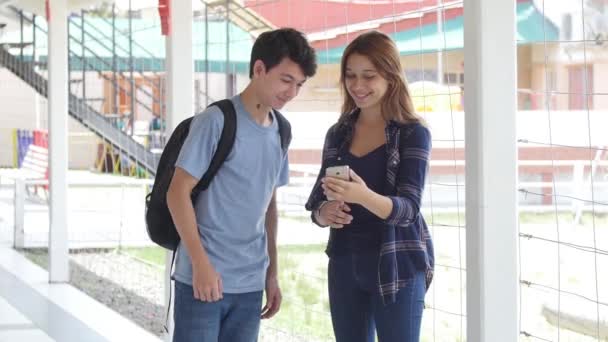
259,68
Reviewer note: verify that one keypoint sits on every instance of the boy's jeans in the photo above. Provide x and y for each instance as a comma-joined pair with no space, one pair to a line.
235,318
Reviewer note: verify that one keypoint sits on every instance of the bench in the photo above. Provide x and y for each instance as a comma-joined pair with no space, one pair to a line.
33,173
35,168
31,177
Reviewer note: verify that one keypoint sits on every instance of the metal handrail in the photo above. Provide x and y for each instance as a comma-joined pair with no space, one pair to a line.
150,54
100,72
73,22
83,113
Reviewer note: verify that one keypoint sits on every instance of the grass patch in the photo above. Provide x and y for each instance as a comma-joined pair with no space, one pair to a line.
587,219
303,274
525,217
449,219
152,255
302,277
303,270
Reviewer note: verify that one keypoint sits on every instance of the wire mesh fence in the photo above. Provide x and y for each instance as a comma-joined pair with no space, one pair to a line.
562,250
563,167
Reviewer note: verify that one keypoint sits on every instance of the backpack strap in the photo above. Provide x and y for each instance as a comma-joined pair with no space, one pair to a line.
284,130
224,145
166,326
227,138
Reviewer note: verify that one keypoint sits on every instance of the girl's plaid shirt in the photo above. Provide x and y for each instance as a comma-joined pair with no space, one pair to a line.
406,246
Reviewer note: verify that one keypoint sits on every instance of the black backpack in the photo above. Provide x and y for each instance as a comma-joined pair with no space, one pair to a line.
159,223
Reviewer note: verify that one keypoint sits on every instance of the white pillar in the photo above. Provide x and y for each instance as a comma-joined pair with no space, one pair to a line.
58,140
440,42
19,233
179,64
491,170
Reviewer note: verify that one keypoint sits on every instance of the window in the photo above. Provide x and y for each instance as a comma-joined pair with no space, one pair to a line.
578,91
453,78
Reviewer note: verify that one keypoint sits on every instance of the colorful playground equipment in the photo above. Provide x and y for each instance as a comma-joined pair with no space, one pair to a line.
114,161
433,97
30,154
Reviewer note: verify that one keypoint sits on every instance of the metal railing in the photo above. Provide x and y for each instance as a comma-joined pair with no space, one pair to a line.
83,113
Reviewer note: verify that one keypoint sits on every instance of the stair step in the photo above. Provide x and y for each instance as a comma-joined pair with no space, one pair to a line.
82,111
16,45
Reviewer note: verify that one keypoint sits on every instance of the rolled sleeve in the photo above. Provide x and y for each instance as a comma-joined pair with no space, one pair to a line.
317,197
314,218
399,213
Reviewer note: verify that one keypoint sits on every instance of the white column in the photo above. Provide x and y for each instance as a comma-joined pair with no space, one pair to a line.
179,64
440,41
491,170
19,233
58,140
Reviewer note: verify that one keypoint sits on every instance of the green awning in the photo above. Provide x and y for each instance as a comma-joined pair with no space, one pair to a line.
149,51
532,27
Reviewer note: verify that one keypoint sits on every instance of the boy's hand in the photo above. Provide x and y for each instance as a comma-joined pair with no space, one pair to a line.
273,297
206,282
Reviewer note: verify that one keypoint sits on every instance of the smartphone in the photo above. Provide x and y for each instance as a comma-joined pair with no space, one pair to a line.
341,171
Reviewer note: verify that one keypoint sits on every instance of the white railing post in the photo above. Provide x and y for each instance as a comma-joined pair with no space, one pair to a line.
578,190
59,269
19,233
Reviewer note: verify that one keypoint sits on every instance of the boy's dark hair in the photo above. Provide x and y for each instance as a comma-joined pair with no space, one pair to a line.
272,46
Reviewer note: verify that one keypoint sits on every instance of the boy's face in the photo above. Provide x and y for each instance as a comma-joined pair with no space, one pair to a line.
280,84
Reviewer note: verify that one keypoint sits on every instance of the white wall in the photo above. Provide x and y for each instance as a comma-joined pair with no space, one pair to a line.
18,110
217,85
600,86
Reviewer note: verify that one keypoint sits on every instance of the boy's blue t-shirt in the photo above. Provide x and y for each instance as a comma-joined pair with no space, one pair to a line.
230,214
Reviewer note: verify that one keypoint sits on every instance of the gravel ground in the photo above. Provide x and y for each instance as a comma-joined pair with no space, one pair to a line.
122,283
133,288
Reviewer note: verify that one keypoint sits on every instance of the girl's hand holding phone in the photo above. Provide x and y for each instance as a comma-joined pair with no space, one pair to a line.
354,191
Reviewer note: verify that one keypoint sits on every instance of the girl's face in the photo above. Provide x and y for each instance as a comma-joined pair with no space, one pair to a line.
364,83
